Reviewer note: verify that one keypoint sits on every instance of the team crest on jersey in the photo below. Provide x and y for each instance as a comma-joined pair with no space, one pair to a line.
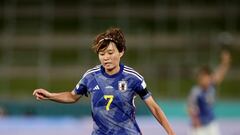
122,86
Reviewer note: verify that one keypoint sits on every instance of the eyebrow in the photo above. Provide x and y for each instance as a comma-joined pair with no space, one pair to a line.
106,50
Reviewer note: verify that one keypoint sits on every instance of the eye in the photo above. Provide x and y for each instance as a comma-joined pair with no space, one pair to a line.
110,52
101,54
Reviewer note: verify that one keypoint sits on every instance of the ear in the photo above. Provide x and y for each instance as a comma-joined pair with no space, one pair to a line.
121,54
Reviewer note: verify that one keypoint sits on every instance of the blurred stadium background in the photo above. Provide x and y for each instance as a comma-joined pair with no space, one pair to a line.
46,43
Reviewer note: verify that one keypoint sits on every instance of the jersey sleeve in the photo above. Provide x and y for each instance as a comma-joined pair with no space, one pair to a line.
81,87
141,89
192,98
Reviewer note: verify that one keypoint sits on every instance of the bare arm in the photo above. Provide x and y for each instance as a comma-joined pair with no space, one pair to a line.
193,110
61,97
220,72
159,115
193,113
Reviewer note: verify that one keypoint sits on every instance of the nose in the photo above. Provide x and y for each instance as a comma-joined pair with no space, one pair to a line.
106,57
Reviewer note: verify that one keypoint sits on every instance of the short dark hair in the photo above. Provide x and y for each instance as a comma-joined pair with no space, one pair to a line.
102,40
206,70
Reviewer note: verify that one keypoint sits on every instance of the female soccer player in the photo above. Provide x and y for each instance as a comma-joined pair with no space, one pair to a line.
113,87
202,96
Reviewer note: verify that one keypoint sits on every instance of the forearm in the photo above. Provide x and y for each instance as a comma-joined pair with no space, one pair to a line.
220,72
193,113
63,97
159,115
195,121
162,119
222,69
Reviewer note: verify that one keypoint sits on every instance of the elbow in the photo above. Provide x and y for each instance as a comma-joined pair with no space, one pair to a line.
73,99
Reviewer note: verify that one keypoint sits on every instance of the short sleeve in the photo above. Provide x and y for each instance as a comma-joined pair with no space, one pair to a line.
192,99
141,89
81,87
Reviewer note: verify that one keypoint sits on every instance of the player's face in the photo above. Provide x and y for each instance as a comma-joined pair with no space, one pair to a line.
204,80
110,58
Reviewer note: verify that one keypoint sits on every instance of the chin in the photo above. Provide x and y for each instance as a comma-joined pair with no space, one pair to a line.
106,67
109,68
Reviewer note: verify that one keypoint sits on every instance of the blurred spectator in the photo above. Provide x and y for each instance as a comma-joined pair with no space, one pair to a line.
202,97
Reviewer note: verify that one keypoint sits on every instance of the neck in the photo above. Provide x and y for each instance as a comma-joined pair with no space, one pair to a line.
113,71
204,87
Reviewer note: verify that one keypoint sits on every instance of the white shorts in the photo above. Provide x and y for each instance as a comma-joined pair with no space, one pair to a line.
210,129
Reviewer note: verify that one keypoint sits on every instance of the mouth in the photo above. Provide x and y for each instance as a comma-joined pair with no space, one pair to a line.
107,63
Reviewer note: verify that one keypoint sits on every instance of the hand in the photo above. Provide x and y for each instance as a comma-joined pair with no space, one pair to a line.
41,94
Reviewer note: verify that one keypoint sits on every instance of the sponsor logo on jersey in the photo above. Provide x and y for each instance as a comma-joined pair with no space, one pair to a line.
96,88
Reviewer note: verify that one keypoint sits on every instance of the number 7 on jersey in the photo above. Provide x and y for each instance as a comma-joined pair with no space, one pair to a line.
110,99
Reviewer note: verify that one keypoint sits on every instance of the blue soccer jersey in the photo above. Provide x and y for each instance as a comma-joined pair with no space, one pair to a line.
112,99
203,100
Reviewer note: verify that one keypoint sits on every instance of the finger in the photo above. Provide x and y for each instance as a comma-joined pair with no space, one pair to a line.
38,98
35,91
40,95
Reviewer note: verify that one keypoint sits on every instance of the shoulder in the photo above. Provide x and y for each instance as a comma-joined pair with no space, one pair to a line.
133,73
195,91
92,71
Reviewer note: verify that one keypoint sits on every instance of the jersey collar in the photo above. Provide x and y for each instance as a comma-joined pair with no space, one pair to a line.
114,75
